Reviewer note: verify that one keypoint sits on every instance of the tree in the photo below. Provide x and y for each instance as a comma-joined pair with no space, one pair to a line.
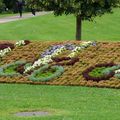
2,6
82,9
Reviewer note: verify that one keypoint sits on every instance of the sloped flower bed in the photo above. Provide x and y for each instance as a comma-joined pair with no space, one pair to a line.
74,57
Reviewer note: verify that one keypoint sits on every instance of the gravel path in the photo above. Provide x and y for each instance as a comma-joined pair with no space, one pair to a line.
25,16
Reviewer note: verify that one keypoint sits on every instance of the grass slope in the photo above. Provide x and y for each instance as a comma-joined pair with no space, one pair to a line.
48,27
65,103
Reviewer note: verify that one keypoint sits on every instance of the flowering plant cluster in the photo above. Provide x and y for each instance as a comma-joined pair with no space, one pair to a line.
117,71
22,42
56,50
46,59
53,49
4,51
7,47
79,48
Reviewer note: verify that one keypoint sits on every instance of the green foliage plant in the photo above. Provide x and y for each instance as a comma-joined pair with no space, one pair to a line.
8,70
41,74
112,69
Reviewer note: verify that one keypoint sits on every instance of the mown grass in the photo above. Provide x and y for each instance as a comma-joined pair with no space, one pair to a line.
2,15
63,102
49,27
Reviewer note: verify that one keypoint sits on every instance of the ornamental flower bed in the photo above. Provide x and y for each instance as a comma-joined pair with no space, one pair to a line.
88,55
7,47
96,73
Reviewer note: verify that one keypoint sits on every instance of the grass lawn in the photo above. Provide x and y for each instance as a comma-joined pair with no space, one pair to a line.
48,27
64,103
6,15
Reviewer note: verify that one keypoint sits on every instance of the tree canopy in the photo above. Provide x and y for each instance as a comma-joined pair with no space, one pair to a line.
87,9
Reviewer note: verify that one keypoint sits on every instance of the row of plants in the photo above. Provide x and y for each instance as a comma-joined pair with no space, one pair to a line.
101,72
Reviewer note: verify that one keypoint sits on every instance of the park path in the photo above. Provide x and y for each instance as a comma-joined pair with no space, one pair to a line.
16,17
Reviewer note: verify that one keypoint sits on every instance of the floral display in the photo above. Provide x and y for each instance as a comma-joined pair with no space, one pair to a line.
96,73
55,71
117,71
45,60
22,42
102,72
9,70
82,46
7,47
4,51
100,53
53,48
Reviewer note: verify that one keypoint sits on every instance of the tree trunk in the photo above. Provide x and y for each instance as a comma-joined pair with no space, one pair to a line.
78,27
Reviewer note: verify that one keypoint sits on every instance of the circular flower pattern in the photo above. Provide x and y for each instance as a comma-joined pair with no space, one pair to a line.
42,74
97,72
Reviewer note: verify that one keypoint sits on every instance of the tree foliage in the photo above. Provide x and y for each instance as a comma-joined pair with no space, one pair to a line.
87,9
2,6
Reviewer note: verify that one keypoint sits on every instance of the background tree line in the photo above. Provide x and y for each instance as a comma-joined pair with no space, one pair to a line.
10,5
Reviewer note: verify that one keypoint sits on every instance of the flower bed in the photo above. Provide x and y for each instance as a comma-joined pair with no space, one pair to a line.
99,53
7,47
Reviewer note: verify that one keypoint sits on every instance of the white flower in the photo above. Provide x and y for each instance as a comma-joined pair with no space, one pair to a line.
19,43
4,51
117,71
